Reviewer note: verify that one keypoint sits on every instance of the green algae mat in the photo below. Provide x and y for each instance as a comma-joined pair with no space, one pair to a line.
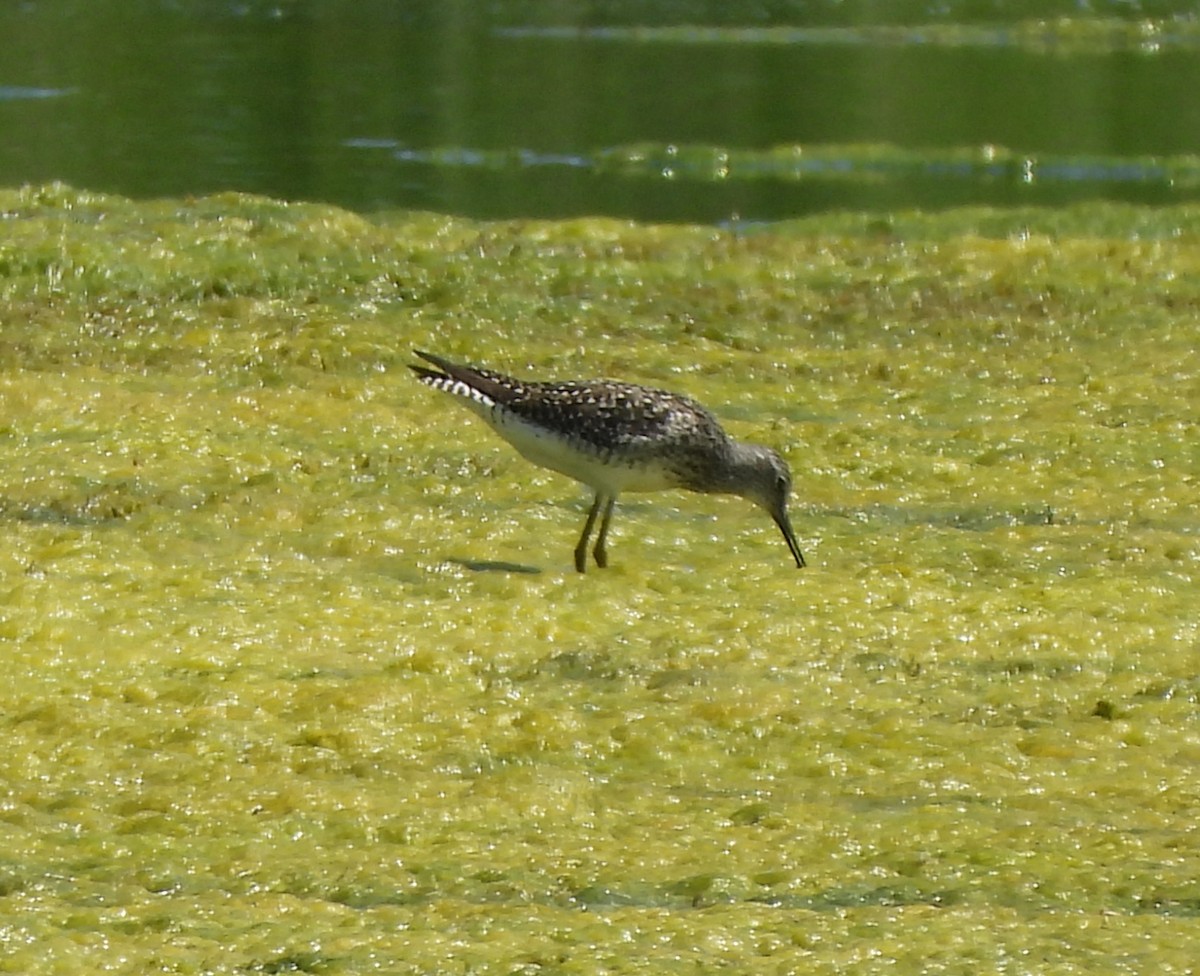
298,675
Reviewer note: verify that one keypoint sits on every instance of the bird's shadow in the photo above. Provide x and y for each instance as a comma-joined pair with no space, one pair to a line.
494,566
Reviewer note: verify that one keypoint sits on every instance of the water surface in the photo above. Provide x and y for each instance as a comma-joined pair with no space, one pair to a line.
512,109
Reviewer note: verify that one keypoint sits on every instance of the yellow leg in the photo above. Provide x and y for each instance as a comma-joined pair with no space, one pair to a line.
581,549
600,552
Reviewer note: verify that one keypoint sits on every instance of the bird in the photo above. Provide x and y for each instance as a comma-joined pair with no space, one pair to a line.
617,437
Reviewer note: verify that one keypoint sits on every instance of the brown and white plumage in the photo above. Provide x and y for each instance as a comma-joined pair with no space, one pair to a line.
618,437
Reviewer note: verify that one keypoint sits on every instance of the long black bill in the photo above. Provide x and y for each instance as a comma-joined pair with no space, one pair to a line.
786,528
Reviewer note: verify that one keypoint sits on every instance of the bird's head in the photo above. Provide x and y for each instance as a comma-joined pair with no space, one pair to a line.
767,481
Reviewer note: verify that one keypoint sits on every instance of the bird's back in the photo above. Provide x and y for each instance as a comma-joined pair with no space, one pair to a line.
607,434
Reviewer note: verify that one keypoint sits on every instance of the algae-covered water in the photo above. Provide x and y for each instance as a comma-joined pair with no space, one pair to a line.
299,677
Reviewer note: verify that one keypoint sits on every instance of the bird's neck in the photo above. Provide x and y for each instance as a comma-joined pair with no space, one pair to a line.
735,469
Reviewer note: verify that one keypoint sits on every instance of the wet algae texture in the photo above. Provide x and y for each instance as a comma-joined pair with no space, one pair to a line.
298,675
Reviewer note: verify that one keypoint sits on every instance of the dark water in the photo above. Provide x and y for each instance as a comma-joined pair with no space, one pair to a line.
518,109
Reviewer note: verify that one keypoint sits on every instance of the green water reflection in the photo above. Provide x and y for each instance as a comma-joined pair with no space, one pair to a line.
380,106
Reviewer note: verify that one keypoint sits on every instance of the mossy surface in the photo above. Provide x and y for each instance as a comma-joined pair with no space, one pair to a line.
300,678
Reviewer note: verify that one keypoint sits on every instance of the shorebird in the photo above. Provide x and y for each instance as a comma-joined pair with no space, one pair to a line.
618,437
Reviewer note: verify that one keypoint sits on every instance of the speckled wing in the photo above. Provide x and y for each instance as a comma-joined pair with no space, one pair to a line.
610,416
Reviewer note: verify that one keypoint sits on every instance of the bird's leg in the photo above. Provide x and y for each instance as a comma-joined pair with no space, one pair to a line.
600,552
581,549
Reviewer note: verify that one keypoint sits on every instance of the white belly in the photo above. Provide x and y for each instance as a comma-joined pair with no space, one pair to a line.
610,474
